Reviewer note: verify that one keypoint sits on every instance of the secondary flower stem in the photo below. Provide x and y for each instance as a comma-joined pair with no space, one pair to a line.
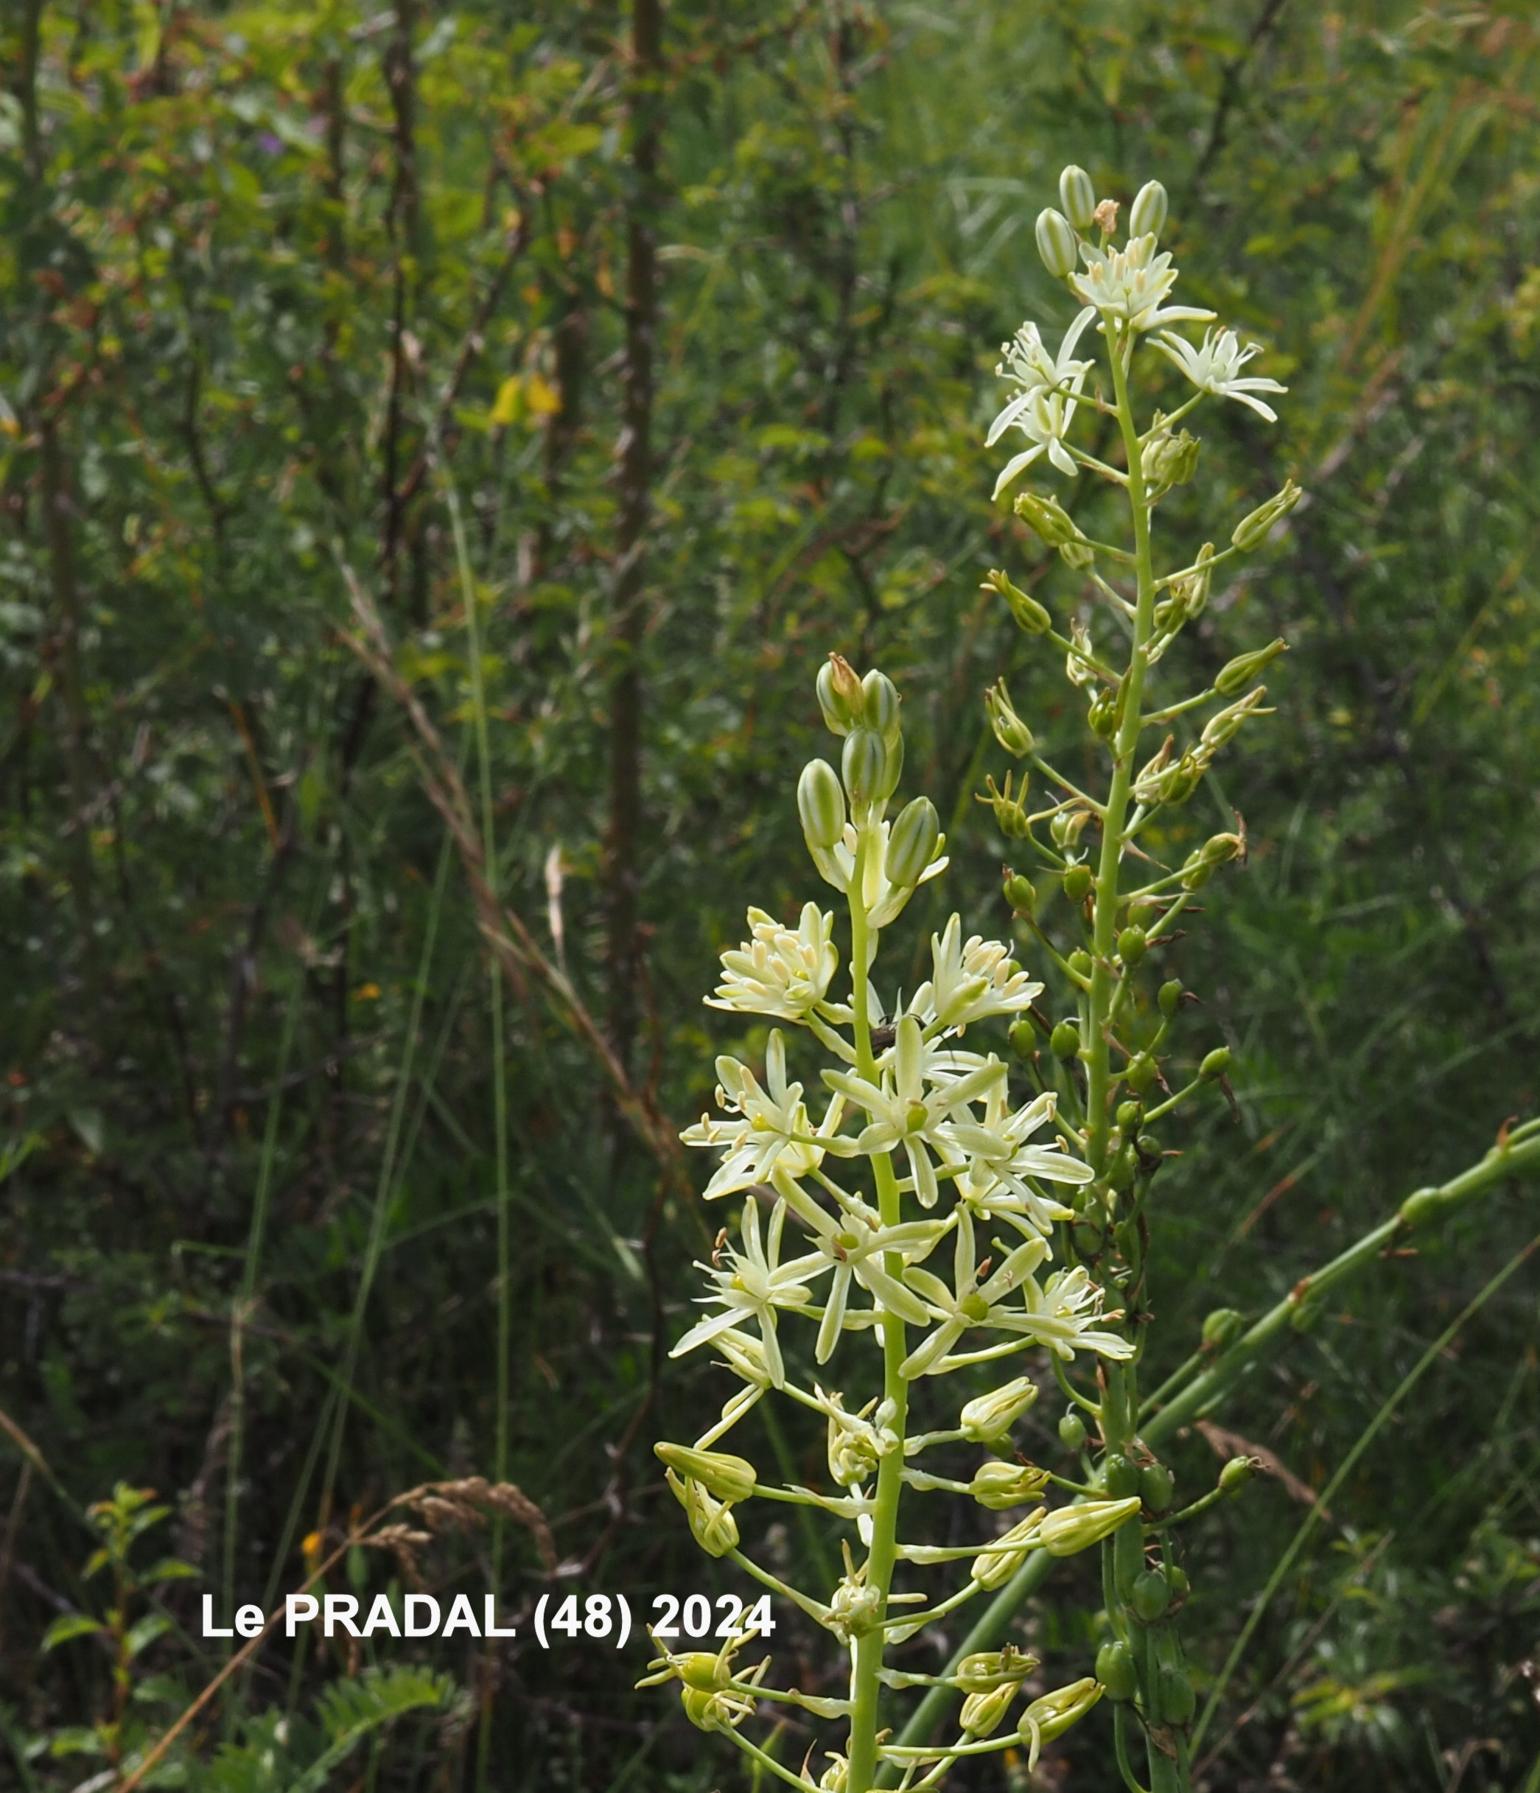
865,1684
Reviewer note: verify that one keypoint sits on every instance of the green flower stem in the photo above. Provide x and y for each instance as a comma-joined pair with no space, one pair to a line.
811,1607
1520,1154
865,1682
1502,1161
755,1753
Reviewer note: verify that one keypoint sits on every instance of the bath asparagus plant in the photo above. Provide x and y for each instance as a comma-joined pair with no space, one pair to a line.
912,1210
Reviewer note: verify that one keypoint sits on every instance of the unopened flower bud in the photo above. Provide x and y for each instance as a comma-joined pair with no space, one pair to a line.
1048,517
1115,1670
994,1567
879,705
1029,614
1055,242
1055,1712
1001,1485
1070,1529
1010,731
987,1418
1064,1041
1147,215
1078,197
1215,1063
1254,528
820,804
913,842
864,765
1236,674
711,1521
726,1476
839,694
1222,1327
982,1712
1236,1473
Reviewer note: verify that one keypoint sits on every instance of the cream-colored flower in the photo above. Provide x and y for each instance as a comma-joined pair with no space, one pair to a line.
970,982
779,970
1215,366
1132,283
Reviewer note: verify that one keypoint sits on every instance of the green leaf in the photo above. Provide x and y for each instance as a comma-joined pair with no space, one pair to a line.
68,1625
142,1635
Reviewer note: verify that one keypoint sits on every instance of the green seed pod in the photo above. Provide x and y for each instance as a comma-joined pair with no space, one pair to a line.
1020,893
839,694
1215,1063
1170,998
1181,1585
1156,1486
1255,527
912,843
1128,1116
1221,1328
1010,731
1175,1697
1141,1073
1151,1595
1421,1206
1023,1039
1079,962
1147,215
1131,945
1235,674
1078,197
1055,242
879,705
1064,1041
864,765
1220,849
1067,827
1120,1476
820,804
1009,805
1115,1670
1030,615
1236,1473
1077,883
1072,1431
1103,715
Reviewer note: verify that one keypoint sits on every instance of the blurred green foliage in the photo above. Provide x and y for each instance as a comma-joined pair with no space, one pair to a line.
277,281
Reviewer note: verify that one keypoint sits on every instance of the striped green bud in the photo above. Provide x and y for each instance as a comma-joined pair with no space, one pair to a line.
1001,1485
879,705
839,694
994,1567
864,765
726,1476
1055,242
1048,518
820,804
1053,1714
982,1712
1071,1529
913,842
985,1670
1078,197
1147,215
987,1418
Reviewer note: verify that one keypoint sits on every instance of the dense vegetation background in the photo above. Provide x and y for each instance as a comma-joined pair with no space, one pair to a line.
405,392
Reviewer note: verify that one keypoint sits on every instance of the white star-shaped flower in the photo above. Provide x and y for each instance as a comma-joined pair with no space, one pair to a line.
1214,366
755,1285
779,970
1001,1163
970,1302
1062,1316
970,982
774,1129
1132,283
1044,404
